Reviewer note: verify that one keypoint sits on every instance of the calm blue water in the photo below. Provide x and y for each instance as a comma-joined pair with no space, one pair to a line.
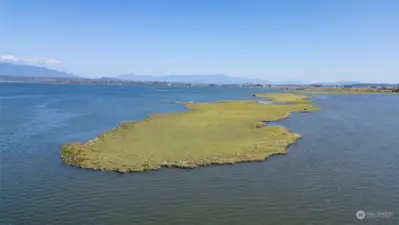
347,161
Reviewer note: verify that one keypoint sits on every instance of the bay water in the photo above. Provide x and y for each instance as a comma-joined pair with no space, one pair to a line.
348,160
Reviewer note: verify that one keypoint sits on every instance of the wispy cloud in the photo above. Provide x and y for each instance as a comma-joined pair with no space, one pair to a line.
33,60
39,60
8,58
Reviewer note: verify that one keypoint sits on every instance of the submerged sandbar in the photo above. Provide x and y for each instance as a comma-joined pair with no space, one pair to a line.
215,133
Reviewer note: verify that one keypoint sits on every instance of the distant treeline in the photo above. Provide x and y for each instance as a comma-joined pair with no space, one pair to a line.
115,81
359,85
109,81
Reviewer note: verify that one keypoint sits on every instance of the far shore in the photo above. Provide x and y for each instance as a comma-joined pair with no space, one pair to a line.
310,89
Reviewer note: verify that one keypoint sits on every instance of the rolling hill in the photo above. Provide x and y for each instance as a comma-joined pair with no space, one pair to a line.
20,70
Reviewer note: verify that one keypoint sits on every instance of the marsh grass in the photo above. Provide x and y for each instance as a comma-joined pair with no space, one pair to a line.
286,98
208,134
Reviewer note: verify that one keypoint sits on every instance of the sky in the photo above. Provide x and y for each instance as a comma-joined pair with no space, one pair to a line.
277,40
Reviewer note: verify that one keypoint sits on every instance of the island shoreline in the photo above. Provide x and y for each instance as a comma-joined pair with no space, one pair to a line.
75,154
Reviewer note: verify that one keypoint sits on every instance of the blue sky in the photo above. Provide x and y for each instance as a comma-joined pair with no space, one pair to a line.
308,40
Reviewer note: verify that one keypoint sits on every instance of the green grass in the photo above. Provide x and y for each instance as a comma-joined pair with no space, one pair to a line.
286,98
216,133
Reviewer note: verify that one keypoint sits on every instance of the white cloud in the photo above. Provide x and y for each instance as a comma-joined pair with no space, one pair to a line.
33,60
38,60
8,58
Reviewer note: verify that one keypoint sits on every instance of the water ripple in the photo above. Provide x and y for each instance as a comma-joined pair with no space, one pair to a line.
346,161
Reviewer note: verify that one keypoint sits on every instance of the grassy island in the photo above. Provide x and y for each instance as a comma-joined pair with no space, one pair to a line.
214,133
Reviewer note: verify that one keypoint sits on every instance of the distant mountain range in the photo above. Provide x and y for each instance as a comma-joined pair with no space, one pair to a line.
22,70
19,70
208,79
